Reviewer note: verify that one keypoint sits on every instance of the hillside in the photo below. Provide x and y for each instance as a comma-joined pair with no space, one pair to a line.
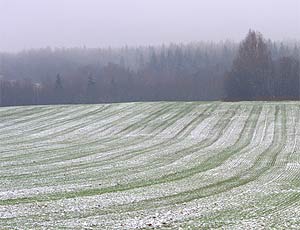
144,165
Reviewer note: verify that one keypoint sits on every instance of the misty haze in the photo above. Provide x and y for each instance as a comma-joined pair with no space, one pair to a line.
148,114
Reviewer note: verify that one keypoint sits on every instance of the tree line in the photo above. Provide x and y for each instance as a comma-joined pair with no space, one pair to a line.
255,69
257,75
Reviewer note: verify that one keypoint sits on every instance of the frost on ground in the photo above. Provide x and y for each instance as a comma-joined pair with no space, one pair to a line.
164,165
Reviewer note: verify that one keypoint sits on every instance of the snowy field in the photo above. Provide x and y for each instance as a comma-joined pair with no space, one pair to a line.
161,165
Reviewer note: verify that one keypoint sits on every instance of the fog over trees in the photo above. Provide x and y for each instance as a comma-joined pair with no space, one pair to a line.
261,71
255,69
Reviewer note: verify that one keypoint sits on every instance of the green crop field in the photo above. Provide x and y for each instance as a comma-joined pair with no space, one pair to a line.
168,165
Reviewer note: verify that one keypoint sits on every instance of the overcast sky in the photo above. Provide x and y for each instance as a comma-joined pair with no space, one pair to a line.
28,24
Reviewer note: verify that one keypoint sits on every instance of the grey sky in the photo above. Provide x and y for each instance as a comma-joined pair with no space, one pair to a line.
98,23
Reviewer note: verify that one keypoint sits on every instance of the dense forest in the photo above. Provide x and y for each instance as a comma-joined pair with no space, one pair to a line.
255,69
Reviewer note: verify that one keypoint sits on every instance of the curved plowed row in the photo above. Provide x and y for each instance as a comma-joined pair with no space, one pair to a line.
143,165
